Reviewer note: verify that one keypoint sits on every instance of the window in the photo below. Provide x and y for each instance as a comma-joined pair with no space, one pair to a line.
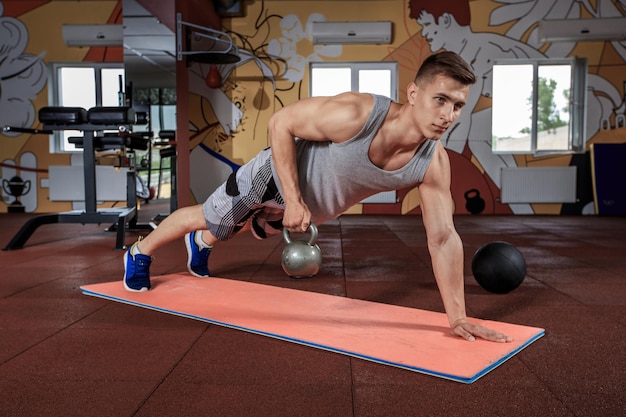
84,85
160,104
331,78
538,106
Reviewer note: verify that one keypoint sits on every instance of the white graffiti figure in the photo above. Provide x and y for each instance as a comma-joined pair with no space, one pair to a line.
526,17
286,47
22,76
229,116
480,50
226,112
603,98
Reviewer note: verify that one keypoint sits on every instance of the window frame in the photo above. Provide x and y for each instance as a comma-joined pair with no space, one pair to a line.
577,105
355,67
57,139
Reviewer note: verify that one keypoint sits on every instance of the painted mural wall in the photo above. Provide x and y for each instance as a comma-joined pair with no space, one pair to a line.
228,121
30,40
228,124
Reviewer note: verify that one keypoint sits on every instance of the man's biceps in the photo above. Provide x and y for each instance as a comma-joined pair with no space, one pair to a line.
430,193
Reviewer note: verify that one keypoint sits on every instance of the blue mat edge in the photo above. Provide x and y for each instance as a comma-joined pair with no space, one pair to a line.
323,347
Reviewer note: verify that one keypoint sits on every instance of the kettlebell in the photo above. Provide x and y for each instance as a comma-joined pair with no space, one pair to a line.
474,203
301,259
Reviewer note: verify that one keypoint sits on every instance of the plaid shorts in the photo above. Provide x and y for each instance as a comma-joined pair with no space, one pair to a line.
250,192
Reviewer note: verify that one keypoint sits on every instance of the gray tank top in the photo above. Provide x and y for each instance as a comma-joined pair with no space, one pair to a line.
335,176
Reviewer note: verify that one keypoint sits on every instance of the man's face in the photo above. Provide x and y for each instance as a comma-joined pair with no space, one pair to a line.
437,104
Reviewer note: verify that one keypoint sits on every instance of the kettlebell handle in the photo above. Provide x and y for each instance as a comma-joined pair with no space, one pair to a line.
312,228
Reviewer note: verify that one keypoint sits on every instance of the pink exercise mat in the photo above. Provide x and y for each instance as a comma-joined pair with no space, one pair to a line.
408,338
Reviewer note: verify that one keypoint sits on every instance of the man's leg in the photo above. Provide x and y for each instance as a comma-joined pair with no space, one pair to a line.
137,258
175,226
225,213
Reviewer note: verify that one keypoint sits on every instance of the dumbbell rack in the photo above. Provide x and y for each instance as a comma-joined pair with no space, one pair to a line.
119,217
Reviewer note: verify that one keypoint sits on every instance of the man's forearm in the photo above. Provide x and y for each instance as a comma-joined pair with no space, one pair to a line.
284,156
447,260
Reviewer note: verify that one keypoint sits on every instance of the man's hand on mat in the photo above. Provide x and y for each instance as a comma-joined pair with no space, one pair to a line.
470,331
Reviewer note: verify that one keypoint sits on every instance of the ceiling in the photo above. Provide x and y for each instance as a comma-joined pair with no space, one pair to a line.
149,48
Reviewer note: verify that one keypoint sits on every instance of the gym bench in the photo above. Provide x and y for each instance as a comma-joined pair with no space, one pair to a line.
92,123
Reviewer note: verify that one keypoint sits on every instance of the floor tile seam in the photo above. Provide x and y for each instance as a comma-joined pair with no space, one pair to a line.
412,250
260,265
602,245
54,378
543,231
591,265
171,370
51,335
91,264
353,385
33,287
568,296
74,275
577,264
546,385
63,248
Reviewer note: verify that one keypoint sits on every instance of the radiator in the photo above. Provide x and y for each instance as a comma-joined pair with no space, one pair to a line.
538,185
67,183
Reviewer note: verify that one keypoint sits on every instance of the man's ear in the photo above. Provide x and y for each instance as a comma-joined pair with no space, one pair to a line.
411,92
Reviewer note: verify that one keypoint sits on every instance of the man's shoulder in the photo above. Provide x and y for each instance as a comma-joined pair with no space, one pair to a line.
439,165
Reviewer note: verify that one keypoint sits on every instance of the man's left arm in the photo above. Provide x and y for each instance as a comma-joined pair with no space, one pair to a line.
446,248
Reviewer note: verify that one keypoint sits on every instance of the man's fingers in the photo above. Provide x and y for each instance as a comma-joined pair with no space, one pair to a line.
298,228
470,331
493,335
460,331
297,220
499,337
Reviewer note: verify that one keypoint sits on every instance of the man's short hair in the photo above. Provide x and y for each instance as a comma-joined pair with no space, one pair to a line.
446,63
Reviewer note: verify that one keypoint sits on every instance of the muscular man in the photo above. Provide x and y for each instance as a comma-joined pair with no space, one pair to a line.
327,154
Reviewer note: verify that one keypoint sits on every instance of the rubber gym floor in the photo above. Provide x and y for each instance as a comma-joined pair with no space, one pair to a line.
65,354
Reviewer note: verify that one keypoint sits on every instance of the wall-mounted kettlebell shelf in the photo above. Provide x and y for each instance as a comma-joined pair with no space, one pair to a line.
223,49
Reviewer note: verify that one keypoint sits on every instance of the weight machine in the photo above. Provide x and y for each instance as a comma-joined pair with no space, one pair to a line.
93,123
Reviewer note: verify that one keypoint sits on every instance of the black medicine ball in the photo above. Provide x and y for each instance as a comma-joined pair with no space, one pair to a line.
499,267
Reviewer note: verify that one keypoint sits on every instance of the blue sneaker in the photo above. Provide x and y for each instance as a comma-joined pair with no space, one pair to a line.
197,257
136,271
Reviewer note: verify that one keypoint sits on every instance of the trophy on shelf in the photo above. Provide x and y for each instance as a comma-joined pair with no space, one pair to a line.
16,187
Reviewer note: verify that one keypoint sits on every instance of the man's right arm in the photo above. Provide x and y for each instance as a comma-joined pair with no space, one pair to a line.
297,216
333,119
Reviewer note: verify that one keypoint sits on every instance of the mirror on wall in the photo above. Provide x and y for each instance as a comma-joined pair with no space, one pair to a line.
150,85
150,60
149,45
